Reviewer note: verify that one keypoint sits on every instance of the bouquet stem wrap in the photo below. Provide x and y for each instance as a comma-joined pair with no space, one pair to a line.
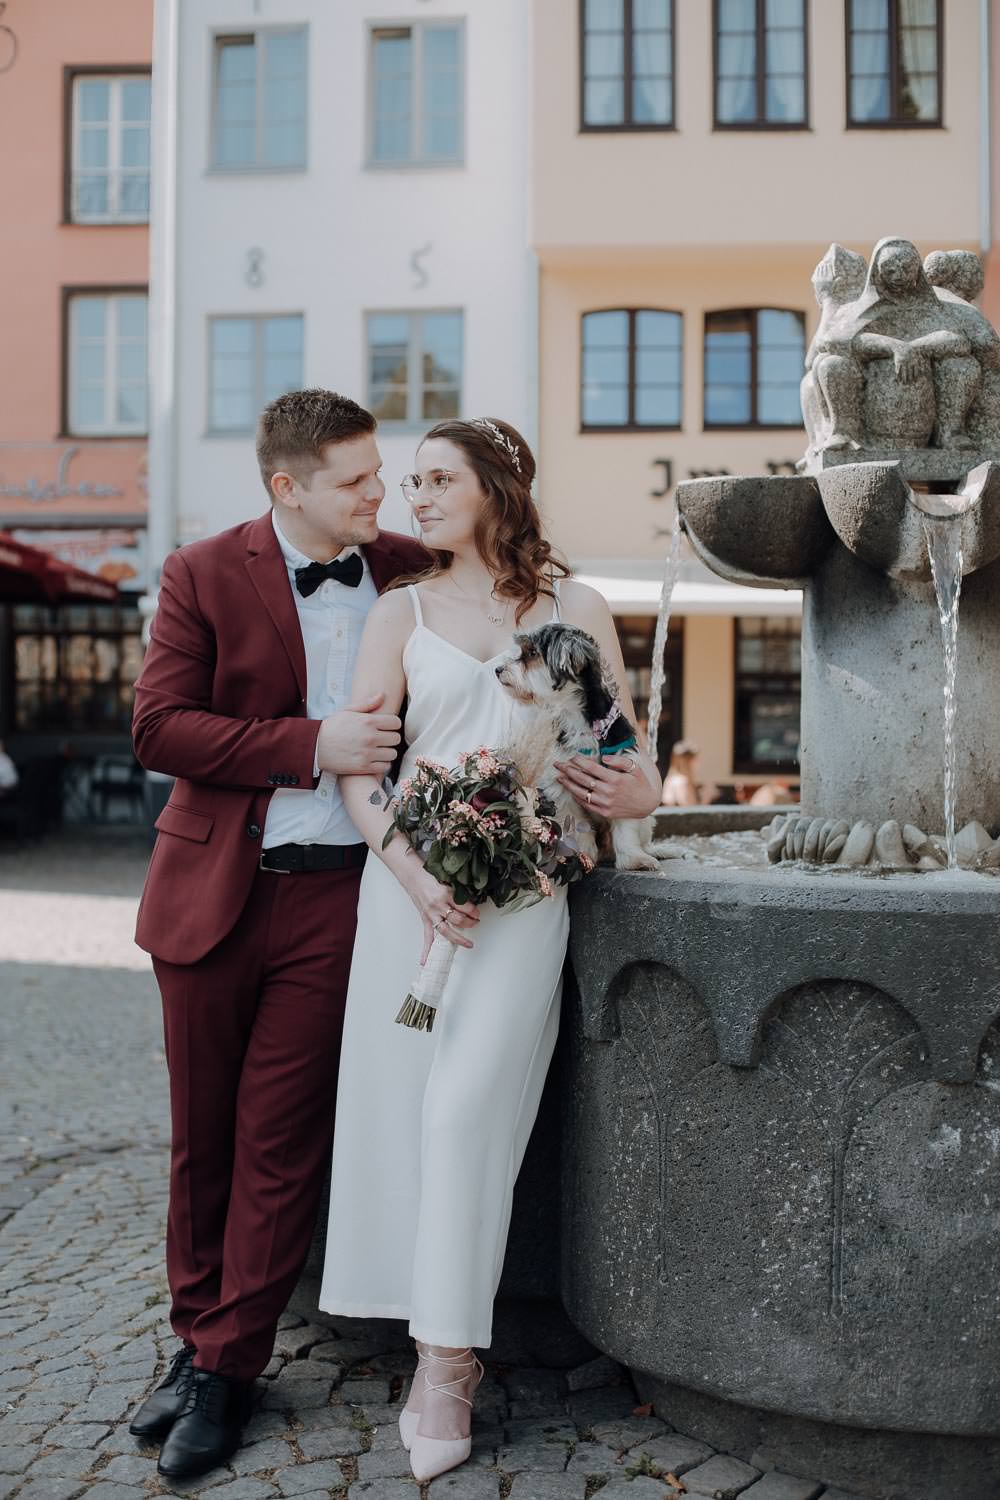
424,999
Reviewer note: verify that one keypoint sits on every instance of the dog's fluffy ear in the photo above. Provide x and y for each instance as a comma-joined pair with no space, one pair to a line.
597,701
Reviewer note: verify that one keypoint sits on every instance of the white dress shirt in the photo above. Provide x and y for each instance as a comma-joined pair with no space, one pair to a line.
332,620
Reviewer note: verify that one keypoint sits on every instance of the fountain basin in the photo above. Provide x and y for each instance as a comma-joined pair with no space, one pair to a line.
781,1141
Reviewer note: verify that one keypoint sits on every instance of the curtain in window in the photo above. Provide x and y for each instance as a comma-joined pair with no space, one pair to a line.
870,60
736,62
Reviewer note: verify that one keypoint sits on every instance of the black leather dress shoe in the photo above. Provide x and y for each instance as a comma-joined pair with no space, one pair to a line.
159,1411
209,1429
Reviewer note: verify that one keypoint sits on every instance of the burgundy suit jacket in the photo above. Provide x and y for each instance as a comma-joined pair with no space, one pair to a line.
220,704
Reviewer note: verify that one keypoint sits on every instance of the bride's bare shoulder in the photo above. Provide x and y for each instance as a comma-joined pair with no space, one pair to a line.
581,604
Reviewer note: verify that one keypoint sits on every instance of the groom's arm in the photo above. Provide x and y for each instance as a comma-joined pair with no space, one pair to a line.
173,727
175,731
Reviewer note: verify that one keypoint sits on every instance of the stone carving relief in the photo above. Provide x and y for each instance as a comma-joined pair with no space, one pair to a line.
901,361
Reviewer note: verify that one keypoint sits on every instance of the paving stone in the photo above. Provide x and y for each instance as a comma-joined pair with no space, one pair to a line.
8,1482
547,1457
107,1491
265,1424
130,1469
775,1486
15,1457
721,1477
295,1342
365,1392
535,1385
541,1432
672,1454
595,1458
50,1488
242,1489
594,1374
636,1489
390,1489
65,1463
324,1474
628,1433
331,1442
271,1454
606,1405
84,1435
836,1494
548,1487
463,1484
384,1463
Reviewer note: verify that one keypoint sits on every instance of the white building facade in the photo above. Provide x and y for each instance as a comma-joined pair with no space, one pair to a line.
340,200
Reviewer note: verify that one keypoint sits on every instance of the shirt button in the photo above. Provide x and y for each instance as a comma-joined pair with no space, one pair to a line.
253,830
323,792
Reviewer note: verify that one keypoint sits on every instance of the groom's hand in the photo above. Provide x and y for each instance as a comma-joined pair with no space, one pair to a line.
358,740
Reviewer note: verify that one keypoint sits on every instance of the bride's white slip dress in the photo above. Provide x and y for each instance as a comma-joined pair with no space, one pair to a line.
432,1128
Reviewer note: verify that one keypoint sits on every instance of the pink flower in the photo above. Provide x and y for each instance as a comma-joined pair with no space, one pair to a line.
544,884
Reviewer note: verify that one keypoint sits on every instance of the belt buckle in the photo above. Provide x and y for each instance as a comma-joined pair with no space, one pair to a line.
270,869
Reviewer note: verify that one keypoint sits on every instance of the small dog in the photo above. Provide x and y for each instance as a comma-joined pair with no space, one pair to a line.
559,669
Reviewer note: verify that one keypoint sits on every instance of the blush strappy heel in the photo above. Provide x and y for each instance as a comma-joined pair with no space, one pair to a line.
410,1420
430,1456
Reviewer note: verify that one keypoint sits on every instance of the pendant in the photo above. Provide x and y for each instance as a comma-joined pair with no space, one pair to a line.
497,619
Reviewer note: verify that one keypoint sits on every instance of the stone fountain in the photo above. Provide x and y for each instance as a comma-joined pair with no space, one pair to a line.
781,1175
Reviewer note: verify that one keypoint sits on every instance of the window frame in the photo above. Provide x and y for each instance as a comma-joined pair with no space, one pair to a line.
894,122
415,384
631,425
416,26
67,294
218,37
761,122
258,319
744,764
71,72
628,32
754,425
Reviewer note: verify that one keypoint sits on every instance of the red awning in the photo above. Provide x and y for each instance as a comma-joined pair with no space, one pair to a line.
30,575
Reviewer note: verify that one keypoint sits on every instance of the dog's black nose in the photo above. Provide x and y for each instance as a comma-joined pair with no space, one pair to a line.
498,670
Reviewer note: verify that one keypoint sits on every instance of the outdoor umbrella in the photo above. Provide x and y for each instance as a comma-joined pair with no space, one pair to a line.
29,575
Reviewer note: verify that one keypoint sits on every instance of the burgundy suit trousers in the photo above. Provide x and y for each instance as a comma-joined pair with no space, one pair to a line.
253,1034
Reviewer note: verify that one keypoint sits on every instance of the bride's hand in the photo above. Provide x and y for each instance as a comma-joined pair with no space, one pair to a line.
438,910
615,787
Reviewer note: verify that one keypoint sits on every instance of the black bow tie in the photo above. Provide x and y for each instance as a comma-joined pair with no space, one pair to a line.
349,572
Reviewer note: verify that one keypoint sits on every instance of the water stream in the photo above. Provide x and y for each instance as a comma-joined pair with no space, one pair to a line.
659,669
944,545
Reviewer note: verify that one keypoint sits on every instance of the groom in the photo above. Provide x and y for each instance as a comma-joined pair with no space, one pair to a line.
250,900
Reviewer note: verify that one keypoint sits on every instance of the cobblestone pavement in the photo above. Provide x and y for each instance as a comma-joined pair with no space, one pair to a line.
83,1316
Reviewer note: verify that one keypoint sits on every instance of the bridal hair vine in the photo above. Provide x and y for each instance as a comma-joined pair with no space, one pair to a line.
492,430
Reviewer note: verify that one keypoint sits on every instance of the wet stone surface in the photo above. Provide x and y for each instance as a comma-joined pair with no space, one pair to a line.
83,1297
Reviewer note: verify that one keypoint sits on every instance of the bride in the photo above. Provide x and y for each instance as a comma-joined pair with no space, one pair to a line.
431,1129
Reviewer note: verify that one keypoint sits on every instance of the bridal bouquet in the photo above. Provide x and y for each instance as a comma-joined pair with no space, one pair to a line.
488,837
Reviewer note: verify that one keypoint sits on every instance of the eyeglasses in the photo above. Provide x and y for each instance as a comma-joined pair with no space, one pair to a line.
431,489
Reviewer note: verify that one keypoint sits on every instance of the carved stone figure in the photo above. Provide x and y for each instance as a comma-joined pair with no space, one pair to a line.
922,376
902,363
832,389
957,278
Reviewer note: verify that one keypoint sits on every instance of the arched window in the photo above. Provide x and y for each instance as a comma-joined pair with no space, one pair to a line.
754,363
631,369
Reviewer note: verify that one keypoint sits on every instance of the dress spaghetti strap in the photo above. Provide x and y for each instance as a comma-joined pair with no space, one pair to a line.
411,589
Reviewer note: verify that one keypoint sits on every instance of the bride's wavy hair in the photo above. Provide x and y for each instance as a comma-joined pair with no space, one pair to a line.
508,533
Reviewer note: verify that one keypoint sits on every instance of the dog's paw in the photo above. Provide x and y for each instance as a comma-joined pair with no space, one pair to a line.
637,860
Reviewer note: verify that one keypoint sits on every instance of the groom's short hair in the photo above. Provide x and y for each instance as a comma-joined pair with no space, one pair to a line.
294,429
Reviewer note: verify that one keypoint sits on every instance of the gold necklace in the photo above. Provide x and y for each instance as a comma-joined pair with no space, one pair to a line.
494,619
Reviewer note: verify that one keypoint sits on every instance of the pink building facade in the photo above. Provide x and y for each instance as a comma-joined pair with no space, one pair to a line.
75,86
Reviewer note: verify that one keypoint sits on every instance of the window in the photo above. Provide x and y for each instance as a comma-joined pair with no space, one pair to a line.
108,119
414,366
760,63
627,64
754,362
635,635
106,364
631,369
417,95
260,101
251,361
75,667
767,684
894,62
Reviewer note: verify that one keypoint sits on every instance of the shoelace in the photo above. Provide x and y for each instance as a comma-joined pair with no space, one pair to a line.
177,1371
210,1398
455,1364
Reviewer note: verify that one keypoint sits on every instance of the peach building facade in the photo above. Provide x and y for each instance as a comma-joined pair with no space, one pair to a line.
75,90
693,160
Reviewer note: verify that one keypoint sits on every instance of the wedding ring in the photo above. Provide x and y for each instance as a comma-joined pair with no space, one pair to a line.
590,796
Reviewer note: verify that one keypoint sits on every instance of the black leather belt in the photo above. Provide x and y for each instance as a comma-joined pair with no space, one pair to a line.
299,859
